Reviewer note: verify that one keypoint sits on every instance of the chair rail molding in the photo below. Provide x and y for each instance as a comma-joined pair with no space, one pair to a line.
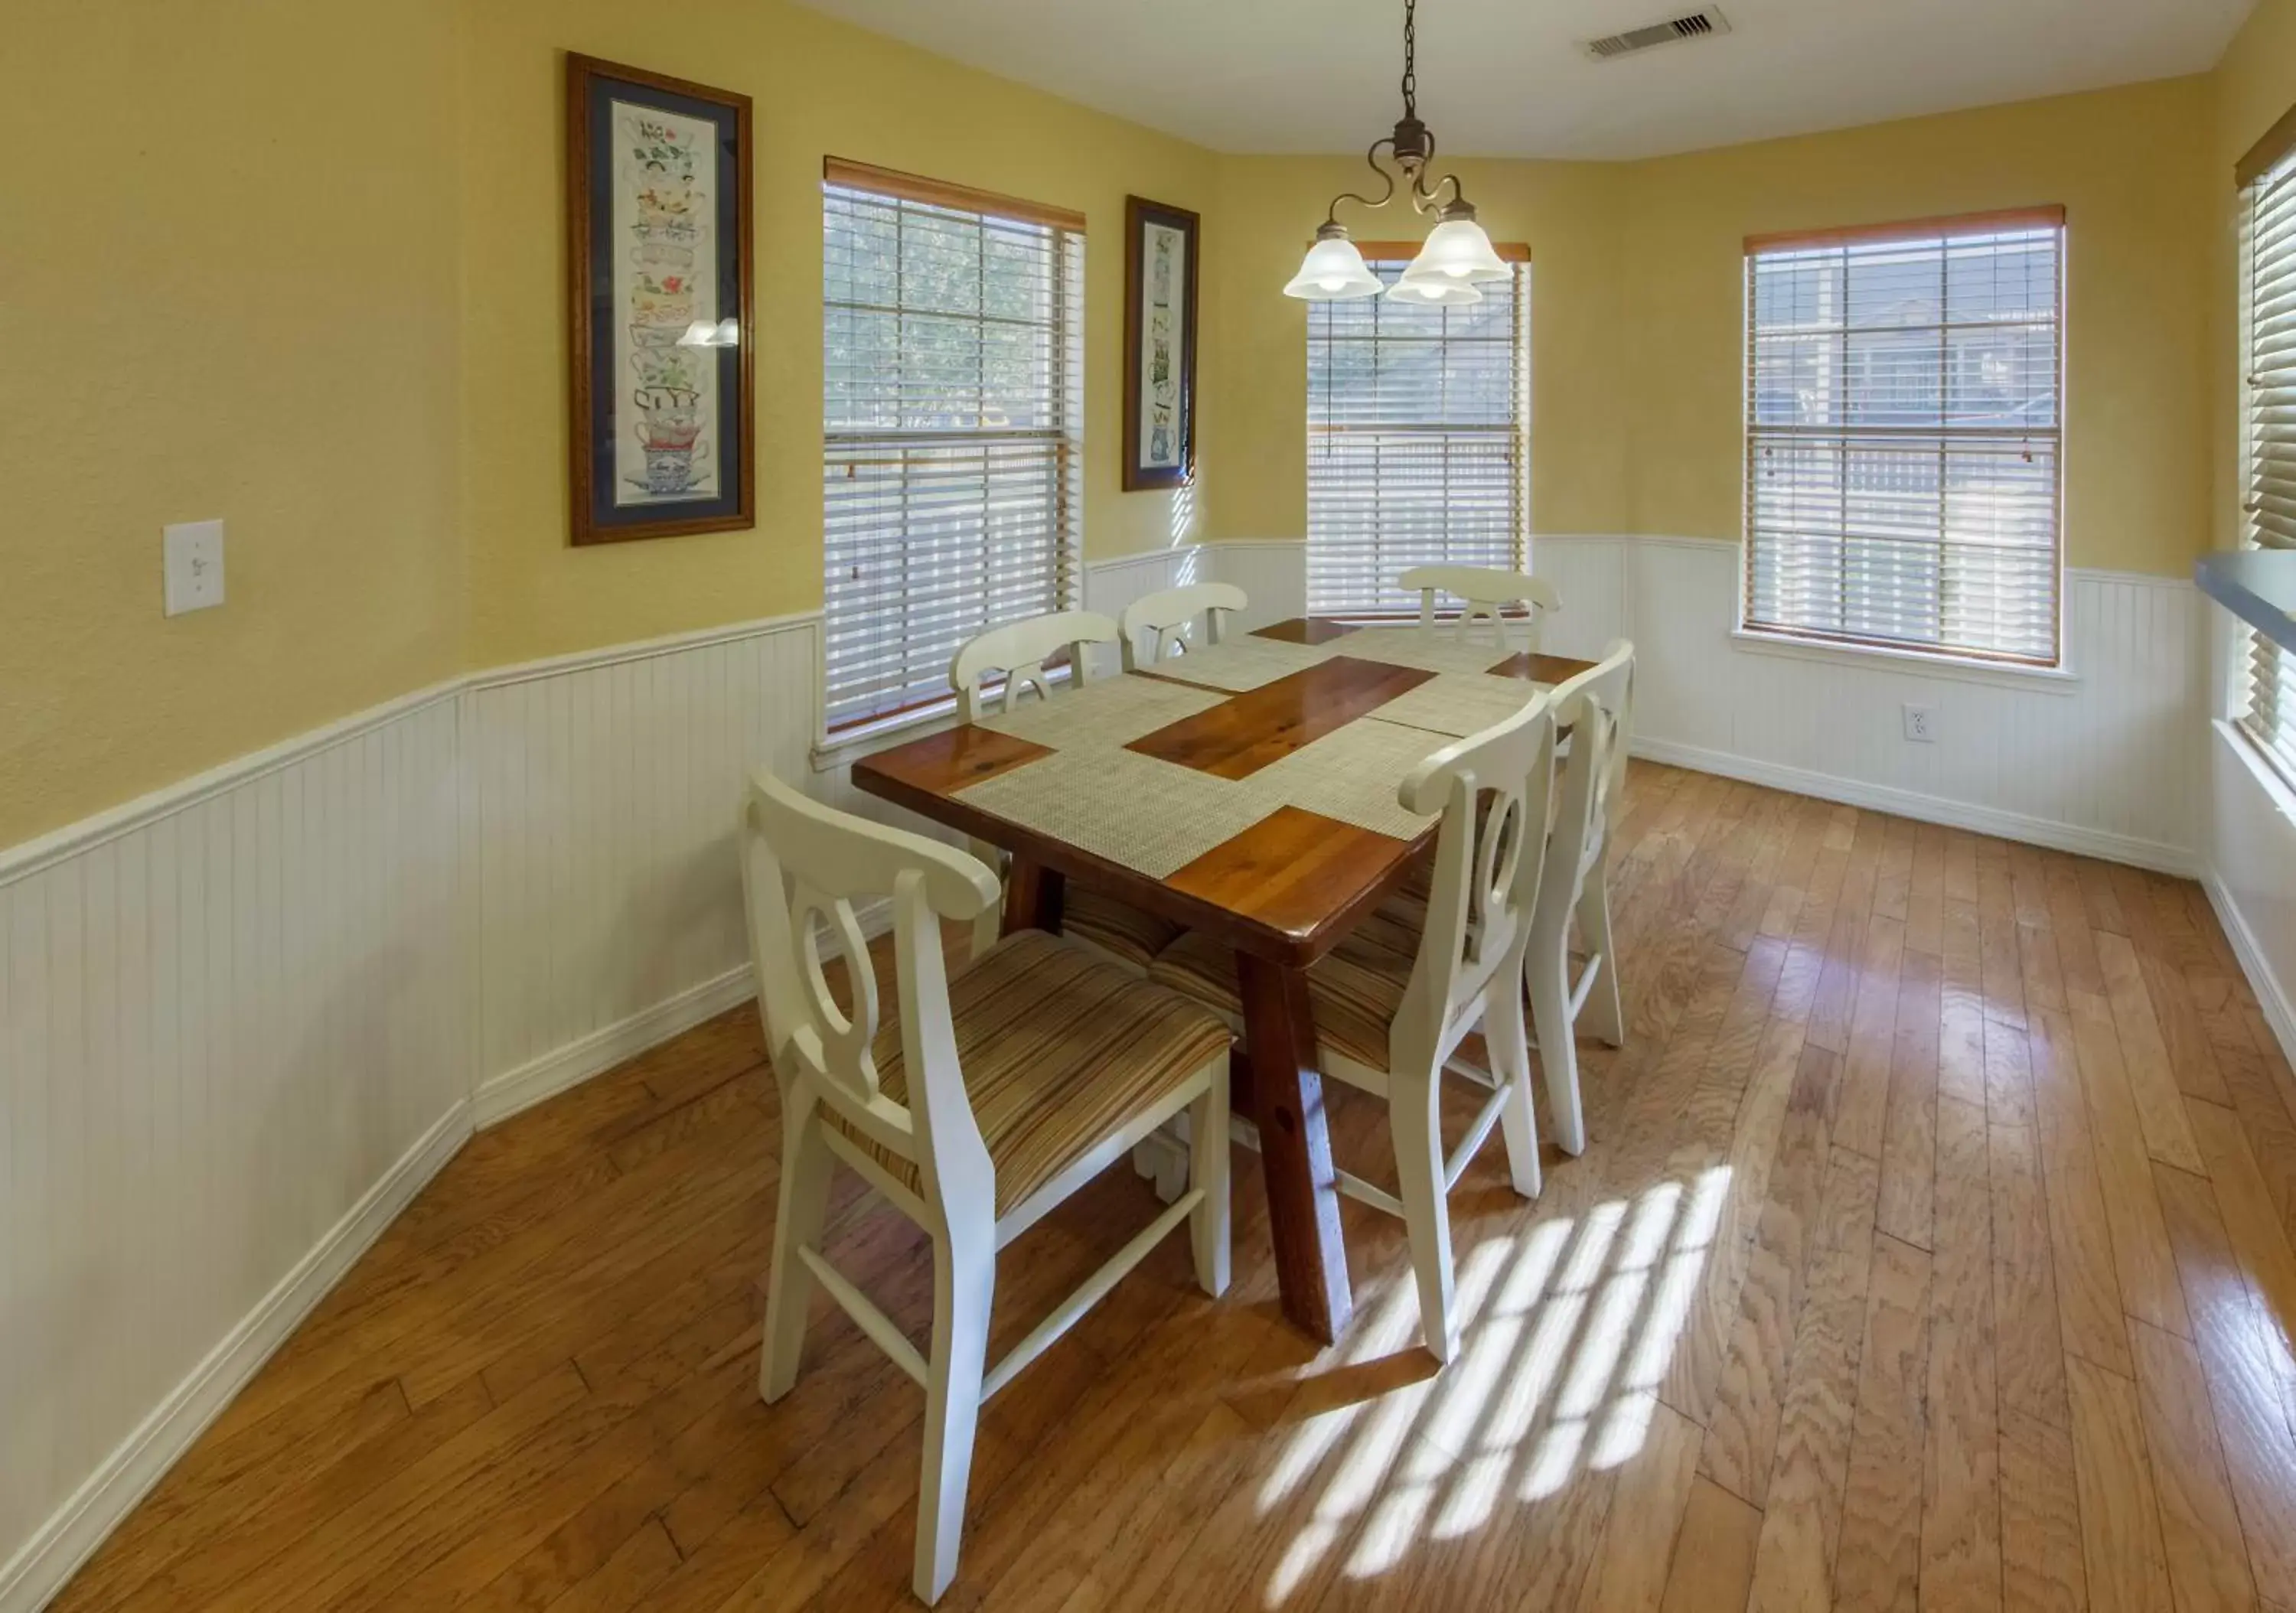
245,1019
2106,763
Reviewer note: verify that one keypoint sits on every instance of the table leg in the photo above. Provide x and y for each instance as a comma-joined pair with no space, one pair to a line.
1295,1150
1032,896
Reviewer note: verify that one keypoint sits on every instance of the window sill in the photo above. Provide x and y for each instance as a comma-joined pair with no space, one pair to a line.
849,745
1917,663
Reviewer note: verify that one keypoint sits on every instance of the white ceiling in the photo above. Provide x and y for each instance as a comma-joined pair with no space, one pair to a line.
1508,78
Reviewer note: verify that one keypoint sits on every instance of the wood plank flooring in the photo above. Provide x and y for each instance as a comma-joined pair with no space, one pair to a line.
1935,1246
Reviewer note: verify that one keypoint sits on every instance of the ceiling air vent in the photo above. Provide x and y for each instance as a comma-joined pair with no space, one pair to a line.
1692,25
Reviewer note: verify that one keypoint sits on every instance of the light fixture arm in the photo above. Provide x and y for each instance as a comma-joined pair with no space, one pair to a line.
1410,149
1457,258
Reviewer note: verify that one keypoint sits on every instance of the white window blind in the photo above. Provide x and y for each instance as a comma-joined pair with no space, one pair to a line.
952,412
1418,446
1903,401
2268,332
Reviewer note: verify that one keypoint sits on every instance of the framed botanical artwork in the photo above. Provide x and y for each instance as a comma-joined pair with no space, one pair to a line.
1159,345
657,252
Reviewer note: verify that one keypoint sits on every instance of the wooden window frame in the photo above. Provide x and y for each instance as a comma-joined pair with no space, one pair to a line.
2051,217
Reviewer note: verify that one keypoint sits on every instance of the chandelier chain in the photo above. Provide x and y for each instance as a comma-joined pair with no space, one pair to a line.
1410,55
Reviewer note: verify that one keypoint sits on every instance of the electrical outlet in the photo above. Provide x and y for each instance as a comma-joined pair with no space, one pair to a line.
1921,724
193,568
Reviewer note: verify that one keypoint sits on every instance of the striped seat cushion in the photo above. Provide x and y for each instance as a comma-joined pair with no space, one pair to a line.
1059,1050
1353,991
1116,927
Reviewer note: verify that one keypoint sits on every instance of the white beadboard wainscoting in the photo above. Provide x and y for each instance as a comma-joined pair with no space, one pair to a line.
2250,844
233,1045
2107,762
599,797
243,1020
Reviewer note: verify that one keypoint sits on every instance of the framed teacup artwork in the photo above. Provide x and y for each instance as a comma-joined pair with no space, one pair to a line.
1159,345
657,244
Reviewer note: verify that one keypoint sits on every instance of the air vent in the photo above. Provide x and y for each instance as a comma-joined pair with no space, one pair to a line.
1693,26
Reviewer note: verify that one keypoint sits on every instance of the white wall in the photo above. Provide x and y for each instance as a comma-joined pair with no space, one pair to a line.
233,1034
2249,843
2105,762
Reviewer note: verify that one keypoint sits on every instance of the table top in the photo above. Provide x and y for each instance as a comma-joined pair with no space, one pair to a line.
1247,790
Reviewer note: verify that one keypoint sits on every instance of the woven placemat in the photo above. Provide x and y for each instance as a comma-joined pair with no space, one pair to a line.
1410,647
1460,703
1350,775
1105,714
1245,663
1150,815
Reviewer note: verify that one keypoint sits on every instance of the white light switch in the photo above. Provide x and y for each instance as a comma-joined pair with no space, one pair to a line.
195,566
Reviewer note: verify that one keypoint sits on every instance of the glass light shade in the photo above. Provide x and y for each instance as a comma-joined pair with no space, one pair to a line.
1457,250
1334,271
1435,290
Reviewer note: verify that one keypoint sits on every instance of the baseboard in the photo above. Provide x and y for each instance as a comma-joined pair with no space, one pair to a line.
1927,809
2270,996
56,1550
517,1090
502,1096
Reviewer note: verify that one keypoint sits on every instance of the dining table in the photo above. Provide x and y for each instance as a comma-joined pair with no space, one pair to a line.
1246,790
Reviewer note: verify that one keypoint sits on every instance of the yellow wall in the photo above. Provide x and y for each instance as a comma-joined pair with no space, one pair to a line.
2123,162
1255,455
2252,86
820,87
1637,292
227,286
325,302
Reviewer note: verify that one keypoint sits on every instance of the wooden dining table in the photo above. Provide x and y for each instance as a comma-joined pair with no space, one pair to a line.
1247,791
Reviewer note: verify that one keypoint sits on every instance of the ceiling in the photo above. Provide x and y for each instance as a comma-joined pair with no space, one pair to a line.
1508,78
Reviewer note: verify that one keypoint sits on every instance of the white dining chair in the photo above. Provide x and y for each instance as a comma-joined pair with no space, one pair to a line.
988,1100
1392,1002
1484,595
1168,616
1597,708
1020,651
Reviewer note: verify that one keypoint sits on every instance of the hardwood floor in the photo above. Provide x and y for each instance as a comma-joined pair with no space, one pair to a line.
1933,1247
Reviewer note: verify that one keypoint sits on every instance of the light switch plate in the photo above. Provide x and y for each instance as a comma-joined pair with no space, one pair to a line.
194,566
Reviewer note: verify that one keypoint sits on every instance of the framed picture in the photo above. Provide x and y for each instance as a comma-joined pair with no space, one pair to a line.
1159,345
657,250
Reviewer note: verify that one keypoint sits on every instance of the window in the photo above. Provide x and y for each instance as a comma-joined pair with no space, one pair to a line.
2267,323
952,412
1418,438
1903,398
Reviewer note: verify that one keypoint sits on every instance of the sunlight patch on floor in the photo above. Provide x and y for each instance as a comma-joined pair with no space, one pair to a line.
1568,1330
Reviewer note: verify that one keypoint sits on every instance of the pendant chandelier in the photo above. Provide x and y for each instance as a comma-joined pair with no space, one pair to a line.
1457,257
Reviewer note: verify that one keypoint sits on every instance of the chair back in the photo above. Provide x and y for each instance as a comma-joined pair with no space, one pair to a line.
1484,594
804,865
1169,613
1492,790
1597,708
1020,650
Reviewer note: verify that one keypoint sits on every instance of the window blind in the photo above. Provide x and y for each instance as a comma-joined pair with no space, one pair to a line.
952,412
2268,336
1903,396
1418,448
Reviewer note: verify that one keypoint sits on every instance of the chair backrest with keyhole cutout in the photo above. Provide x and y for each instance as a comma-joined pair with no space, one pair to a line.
1596,708
1169,613
805,866
1492,790
1484,594
1021,650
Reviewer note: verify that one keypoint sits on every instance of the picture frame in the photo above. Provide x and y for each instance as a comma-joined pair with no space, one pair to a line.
1159,345
661,305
